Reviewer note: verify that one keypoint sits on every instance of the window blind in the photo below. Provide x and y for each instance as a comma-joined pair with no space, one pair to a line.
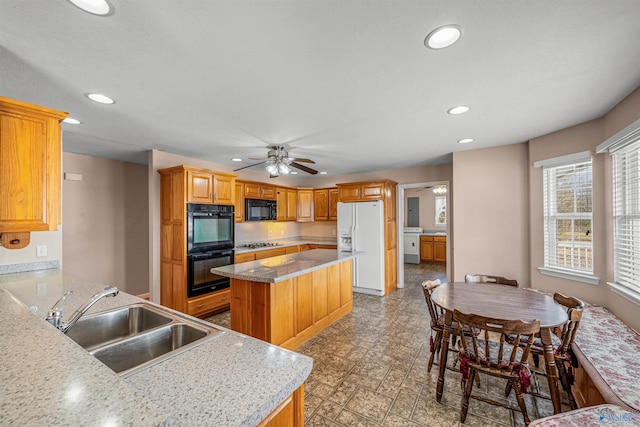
626,216
568,217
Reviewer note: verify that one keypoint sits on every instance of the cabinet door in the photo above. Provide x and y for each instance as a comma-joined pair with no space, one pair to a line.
349,193
200,187
239,202
333,204
321,205
245,257
292,205
305,205
268,192
270,253
426,248
440,249
292,249
29,167
372,191
281,199
252,190
223,189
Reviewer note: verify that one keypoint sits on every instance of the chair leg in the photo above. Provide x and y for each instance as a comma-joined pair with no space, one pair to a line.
436,350
507,389
536,360
467,394
564,380
520,399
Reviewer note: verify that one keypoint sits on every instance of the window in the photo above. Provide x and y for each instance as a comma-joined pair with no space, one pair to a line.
441,210
568,228
626,217
625,151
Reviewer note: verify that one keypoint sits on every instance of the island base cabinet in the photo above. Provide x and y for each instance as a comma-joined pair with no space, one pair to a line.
290,413
291,312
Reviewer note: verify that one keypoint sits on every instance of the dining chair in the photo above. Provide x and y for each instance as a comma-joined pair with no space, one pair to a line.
485,278
437,322
480,354
562,340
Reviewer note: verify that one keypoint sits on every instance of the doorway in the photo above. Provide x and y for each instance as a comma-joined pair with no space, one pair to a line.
403,221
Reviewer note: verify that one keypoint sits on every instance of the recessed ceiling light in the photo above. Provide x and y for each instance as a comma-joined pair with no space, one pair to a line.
458,110
323,173
95,7
443,36
71,121
236,159
293,173
465,140
102,99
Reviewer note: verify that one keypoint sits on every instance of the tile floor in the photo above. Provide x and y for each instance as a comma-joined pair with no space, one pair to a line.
370,368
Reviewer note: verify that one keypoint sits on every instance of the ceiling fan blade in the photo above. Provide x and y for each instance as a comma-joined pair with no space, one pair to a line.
303,168
297,159
255,164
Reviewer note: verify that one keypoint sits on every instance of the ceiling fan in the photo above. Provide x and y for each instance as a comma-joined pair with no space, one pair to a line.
279,163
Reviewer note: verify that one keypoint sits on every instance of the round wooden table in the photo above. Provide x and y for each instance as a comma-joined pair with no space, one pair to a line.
501,302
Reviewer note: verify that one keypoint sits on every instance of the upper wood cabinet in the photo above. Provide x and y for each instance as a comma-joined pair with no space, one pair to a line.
305,204
287,204
239,202
208,187
30,173
256,190
361,191
325,204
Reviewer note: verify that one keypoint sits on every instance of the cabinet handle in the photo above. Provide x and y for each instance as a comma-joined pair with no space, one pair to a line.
224,298
200,305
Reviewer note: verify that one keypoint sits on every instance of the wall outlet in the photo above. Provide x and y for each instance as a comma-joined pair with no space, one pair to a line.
41,288
41,250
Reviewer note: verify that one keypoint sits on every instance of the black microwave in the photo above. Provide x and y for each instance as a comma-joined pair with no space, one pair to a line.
260,210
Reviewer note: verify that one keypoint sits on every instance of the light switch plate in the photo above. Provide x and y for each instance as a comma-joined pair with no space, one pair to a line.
41,250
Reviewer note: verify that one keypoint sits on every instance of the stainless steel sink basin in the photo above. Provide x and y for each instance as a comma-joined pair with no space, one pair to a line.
137,336
103,328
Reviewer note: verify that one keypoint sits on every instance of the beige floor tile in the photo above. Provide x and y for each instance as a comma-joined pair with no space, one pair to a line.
369,404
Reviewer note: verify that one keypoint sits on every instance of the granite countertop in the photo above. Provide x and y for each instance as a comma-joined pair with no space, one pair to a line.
283,267
231,380
292,241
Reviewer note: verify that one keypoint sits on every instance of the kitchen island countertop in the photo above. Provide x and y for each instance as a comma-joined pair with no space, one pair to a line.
283,267
231,380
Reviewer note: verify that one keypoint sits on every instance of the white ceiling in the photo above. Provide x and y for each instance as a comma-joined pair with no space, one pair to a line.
347,83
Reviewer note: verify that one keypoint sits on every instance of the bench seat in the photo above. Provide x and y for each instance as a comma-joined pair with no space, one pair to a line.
608,352
590,416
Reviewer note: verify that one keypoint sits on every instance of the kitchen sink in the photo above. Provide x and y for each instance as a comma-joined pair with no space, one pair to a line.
103,328
134,337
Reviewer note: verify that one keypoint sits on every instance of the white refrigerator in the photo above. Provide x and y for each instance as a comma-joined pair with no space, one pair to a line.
361,228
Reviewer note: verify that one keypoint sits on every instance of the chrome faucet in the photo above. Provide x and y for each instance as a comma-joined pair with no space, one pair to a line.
54,316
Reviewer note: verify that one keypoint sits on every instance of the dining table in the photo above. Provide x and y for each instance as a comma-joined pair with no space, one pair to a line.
501,302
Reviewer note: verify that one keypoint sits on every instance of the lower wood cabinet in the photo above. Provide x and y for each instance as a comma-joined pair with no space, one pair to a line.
290,413
209,303
433,248
270,253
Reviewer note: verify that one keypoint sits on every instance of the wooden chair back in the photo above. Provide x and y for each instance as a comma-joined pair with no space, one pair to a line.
428,286
492,355
486,278
575,308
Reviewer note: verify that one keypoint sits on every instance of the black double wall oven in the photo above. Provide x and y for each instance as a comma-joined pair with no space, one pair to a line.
210,243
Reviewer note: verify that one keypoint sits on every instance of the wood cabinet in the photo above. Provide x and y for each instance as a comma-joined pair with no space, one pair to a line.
305,204
30,173
239,202
257,190
287,199
289,413
311,246
268,253
206,187
245,257
361,191
325,204
290,312
209,303
178,186
433,248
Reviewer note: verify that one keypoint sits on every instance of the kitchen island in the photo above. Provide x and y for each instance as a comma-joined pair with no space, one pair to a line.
287,300
231,380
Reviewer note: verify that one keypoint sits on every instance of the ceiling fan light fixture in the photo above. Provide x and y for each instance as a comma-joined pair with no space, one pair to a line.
94,7
283,169
443,36
440,189
272,168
